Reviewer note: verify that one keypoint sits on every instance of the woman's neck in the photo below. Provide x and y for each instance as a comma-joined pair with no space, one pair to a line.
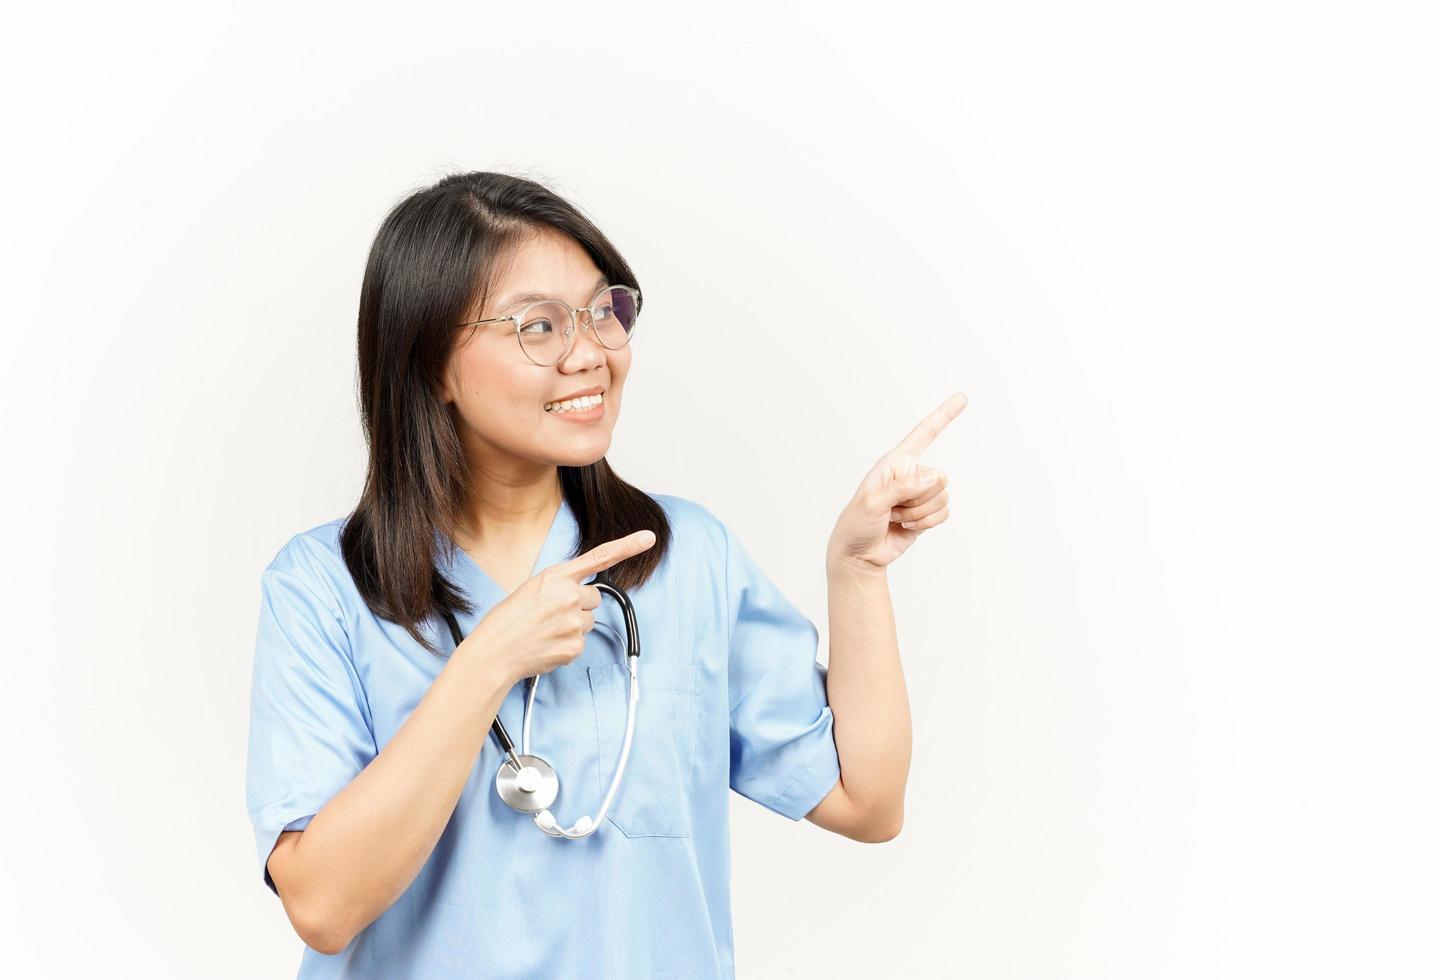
500,518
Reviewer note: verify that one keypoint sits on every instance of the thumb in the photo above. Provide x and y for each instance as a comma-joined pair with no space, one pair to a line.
923,479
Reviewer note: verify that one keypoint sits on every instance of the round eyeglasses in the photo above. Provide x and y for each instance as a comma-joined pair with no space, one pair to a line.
546,329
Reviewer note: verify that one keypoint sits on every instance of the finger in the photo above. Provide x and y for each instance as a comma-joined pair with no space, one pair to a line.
923,484
920,509
605,555
902,491
925,433
927,522
589,597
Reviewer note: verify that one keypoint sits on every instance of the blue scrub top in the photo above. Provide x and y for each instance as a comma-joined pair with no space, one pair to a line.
731,697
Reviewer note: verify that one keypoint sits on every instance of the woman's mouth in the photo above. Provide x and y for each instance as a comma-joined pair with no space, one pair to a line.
587,409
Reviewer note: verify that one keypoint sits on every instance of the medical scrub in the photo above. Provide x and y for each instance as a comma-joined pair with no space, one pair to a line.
731,697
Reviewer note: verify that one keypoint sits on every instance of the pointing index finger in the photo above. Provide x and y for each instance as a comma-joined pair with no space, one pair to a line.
925,433
605,555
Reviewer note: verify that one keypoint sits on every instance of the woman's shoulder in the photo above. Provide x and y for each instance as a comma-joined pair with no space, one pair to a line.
313,556
689,518
318,542
698,535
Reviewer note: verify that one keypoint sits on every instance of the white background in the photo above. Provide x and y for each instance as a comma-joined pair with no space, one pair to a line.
1173,658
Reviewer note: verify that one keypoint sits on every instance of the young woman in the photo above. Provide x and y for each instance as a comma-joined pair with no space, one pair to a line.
494,347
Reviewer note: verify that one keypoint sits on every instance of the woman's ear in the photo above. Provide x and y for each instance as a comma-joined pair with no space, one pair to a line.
447,395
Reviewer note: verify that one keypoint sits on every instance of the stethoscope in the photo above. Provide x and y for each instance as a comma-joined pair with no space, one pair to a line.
527,782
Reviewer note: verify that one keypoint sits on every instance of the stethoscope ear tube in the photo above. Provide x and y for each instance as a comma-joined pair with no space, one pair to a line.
632,632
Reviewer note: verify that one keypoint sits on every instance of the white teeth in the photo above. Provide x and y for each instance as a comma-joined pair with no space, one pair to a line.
571,404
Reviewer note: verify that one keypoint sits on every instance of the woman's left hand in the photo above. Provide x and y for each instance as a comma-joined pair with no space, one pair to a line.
872,531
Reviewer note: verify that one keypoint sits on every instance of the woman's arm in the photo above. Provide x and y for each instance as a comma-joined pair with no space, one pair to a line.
363,849
867,693
897,501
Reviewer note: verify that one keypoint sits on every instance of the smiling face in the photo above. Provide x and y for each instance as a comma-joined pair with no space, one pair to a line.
500,395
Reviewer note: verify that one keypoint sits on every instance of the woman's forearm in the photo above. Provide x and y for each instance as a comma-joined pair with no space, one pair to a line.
867,692
364,848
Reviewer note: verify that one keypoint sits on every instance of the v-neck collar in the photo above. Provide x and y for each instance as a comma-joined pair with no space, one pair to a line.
560,541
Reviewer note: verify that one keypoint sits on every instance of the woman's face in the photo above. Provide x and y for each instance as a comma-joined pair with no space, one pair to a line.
500,395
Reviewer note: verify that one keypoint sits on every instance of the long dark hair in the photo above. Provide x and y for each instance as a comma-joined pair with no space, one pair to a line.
433,259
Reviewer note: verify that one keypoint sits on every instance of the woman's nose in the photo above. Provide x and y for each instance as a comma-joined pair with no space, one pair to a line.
585,348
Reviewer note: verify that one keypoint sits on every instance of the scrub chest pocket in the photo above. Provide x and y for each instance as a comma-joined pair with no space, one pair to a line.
654,795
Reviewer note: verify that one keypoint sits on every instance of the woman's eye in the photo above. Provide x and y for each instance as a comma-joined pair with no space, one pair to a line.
543,325
603,312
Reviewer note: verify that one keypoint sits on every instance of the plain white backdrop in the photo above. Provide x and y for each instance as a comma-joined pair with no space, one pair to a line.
1173,659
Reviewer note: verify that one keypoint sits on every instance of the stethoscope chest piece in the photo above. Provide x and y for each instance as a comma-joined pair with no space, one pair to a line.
532,789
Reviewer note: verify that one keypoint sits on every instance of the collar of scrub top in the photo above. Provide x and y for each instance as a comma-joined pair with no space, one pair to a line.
561,539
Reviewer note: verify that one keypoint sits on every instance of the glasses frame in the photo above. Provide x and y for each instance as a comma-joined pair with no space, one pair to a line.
519,320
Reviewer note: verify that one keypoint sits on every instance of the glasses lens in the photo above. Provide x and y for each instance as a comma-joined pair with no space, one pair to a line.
542,332
616,310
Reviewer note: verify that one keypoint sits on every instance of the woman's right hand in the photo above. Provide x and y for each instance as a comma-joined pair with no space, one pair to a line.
542,624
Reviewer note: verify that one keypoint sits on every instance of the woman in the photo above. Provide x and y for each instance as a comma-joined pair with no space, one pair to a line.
371,782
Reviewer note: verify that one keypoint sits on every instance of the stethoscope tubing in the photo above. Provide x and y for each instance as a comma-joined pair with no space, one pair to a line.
544,819
497,727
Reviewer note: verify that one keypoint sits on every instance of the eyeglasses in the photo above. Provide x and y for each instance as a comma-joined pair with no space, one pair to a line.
610,317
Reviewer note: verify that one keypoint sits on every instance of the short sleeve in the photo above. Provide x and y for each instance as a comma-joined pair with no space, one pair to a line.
309,733
783,752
